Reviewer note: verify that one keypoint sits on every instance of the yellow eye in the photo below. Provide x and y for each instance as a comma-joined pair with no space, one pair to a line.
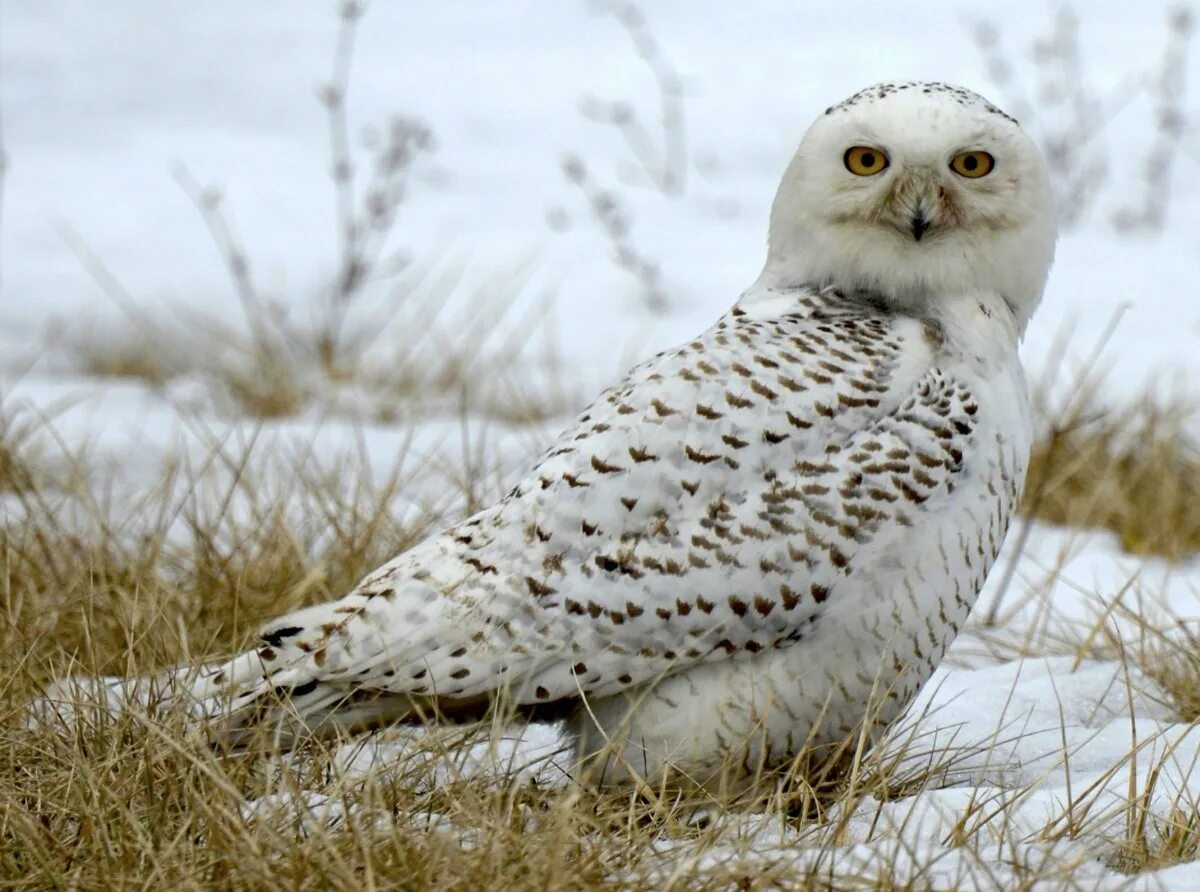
865,161
973,165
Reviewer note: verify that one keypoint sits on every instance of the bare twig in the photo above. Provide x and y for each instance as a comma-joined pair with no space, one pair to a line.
665,164
1065,118
1168,88
1068,116
208,202
364,224
333,96
662,158
614,221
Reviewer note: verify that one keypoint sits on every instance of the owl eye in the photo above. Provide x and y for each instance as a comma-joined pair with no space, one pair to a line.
865,161
972,165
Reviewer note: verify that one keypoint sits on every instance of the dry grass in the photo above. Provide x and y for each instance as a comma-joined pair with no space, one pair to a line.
19,470
1134,472
426,344
93,584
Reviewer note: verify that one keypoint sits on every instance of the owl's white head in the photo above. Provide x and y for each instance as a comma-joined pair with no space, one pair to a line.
915,191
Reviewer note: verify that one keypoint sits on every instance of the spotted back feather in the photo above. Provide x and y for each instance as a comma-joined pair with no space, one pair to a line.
712,507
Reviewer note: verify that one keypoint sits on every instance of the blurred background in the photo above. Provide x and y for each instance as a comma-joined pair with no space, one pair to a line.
421,230
595,174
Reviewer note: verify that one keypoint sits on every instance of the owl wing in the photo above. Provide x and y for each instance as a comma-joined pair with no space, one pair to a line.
706,508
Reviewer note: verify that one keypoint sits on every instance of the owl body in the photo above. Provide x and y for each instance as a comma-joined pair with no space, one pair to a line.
760,539
728,557
877,623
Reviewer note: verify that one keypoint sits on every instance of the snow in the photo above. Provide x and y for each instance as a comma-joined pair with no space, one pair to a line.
1023,727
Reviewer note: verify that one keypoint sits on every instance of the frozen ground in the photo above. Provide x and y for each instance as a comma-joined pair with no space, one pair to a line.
100,102
1034,762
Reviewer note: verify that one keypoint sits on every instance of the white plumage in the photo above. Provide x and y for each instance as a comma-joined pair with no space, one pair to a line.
757,537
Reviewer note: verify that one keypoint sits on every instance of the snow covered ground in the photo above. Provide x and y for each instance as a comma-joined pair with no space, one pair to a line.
101,102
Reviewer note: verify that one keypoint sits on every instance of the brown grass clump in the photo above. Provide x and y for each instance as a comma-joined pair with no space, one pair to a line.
1136,473
135,352
17,465
188,567
427,346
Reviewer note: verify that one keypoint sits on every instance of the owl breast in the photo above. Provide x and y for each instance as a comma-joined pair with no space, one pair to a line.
887,622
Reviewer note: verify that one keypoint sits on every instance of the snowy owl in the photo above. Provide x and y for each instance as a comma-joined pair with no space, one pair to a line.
758,539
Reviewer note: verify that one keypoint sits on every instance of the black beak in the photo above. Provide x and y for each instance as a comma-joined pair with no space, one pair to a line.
919,225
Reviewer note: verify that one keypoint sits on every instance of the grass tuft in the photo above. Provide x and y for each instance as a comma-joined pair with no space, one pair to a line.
1136,473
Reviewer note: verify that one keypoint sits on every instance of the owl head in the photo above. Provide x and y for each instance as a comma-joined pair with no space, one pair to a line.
915,191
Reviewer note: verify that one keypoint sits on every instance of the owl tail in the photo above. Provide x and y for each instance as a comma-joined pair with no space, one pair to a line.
232,703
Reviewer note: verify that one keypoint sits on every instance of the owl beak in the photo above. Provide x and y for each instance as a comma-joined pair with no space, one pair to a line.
919,224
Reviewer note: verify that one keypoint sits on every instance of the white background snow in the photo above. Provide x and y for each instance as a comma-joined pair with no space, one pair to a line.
100,102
